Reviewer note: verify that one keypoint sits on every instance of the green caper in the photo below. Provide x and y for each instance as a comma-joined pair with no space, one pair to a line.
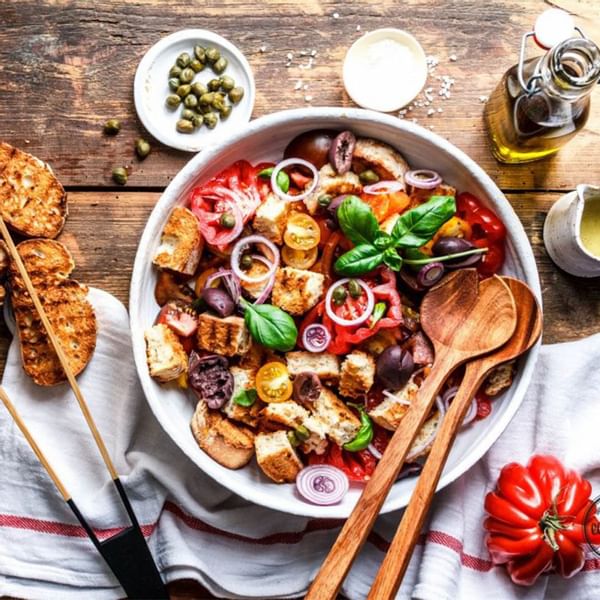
218,104
112,127
174,83
207,98
214,85
302,433
236,94
187,114
175,71
184,90
245,262
200,53
369,176
197,120
225,111
142,148
205,109
220,65
197,66
212,55
227,220
354,289
294,441
184,126
324,200
190,101
183,60
339,295
186,75
211,120
119,175
173,101
198,89
227,83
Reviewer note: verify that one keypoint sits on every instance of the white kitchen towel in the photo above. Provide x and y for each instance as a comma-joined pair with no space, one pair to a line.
197,529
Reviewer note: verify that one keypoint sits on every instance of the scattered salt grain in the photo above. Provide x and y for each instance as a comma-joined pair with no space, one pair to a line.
308,98
298,85
453,58
483,99
336,15
262,49
358,28
431,112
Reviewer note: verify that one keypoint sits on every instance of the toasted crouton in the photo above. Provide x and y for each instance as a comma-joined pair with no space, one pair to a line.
256,271
332,184
276,457
324,364
357,374
243,379
296,290
230,445
387,162
271,217
391,411
181,243
292,415
166,357
500,379
228,336
340,422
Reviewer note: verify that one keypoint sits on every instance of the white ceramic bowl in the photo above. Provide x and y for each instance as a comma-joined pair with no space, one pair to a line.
265,139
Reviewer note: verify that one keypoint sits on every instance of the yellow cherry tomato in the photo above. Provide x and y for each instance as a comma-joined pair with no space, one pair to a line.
299,259
273,382
454,227
302,232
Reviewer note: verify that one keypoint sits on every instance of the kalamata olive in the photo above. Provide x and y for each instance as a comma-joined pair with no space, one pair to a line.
334,205
307,387
312,146
341,150
454,245
394,367
210,378
219,301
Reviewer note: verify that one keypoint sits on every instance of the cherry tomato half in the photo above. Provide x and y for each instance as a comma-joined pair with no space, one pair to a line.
299,259
273,382
302,232
174,317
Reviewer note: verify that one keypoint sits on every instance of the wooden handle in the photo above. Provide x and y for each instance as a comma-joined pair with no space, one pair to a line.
14,253
396,560
356,529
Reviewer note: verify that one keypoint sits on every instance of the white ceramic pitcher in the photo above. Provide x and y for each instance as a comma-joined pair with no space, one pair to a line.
562,233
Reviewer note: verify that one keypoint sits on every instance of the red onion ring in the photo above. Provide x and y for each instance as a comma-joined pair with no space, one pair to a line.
374,452
287,163
471,413
264,294
440,405
322,484
408,470
244,243
230,281
350,322
321,333
423,179
384,187
448,396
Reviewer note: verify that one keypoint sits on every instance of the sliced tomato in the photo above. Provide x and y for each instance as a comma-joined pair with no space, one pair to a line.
273,382
484,405
302,232
358,466
299,259
180,321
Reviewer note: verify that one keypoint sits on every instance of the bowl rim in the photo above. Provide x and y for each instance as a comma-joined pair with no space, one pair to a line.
502,206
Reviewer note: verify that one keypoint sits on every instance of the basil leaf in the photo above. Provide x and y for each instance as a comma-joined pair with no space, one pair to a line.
417,226
377,313
270,326
392,260
361,259
383,241
245,397
357,221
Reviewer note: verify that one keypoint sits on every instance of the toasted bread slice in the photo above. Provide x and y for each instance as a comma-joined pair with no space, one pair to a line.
277,457
181,243
332,184
296,290
32,200
340,423
243,379
229,444
65,301
324,364
387,162
228,336
165,355
357,374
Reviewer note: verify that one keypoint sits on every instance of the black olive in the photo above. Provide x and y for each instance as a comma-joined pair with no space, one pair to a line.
394,367
218,301
454,245
307,387
210,378
334,205
341,150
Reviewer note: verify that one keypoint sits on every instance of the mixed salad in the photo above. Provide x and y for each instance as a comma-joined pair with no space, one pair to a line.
290,296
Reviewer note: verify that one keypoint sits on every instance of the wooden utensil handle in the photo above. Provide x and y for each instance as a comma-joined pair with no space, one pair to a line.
396,560
356,529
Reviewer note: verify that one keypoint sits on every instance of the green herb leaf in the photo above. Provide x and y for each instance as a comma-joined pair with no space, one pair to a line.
357,221
365,433
417,226
420,258
383,241
266,173
270,326
361,259
392,259
377,314
283,179
245,397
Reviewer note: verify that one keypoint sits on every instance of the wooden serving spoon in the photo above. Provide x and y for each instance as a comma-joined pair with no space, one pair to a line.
463,319
529,328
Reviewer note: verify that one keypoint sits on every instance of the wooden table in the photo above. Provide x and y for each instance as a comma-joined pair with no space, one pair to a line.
67,66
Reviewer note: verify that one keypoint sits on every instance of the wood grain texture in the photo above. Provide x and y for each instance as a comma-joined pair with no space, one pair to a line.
67,66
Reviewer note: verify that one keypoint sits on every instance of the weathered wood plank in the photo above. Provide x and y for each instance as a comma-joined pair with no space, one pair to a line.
65,67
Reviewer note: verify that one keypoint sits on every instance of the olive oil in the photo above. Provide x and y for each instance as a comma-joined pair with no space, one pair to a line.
589,230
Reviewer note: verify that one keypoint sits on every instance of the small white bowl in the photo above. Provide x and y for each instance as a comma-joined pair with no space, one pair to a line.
150,89
363,71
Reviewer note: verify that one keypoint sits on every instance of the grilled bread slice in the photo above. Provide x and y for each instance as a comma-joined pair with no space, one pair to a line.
277,457
387,162
228,336
32,200
49,264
